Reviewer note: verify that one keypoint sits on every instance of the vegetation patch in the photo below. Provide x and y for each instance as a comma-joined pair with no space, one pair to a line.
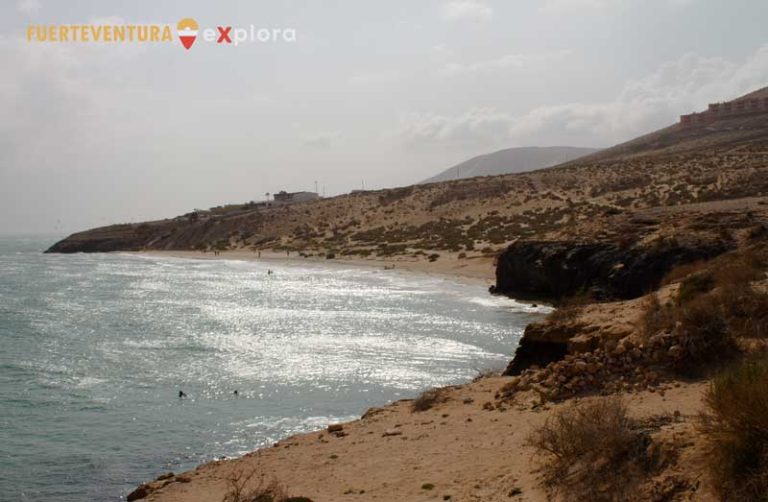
592,451
429,399
736,426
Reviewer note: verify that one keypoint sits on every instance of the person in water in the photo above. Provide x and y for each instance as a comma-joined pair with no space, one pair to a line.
181,394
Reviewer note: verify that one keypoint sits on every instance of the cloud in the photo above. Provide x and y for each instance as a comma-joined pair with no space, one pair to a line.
680,86
504,62
321,140
570,6
62,108
466,9
477,126
29,7
579,5
372,78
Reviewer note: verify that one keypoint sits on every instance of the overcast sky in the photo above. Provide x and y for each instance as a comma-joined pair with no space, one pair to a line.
389,92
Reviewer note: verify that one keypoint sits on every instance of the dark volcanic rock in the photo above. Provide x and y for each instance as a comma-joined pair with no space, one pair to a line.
532,352
139,493
605,270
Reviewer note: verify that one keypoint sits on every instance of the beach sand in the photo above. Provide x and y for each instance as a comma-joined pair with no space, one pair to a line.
475,269
458,451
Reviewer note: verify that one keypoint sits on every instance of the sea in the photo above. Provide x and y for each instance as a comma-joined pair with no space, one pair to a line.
94,349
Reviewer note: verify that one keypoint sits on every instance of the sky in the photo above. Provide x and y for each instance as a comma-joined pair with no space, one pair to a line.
342,93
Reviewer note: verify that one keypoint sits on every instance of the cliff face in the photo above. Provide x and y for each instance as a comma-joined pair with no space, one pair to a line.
557,269
625,266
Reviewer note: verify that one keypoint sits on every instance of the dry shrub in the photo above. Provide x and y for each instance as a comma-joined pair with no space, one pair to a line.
428,399
655,317
682,271
715,306
694,285
741,268
746,310
736,427
592,451
736,267
703,334
254,487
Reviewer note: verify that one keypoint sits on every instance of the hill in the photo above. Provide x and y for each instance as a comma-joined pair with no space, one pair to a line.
644,190
511,160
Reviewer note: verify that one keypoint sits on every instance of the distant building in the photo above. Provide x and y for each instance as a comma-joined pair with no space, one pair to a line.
753,103
283,197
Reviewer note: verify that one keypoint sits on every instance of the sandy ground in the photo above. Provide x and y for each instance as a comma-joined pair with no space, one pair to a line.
465,451
476,269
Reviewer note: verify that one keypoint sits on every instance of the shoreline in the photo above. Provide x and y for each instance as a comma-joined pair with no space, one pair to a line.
477,270
464,448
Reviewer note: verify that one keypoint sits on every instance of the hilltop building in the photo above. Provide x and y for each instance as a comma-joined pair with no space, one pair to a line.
753,103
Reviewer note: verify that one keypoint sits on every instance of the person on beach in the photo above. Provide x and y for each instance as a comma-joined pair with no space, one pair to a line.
236,393
181,394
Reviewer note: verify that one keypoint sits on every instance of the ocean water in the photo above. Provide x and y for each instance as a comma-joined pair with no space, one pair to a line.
94,349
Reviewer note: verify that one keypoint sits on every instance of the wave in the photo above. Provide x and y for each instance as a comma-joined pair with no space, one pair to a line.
509,303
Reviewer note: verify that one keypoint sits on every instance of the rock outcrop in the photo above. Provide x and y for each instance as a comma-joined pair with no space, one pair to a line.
554,270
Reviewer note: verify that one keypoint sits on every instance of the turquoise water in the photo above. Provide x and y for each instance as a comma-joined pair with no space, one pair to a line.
94,349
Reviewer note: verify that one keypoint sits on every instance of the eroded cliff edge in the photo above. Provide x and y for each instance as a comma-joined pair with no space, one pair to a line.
602,272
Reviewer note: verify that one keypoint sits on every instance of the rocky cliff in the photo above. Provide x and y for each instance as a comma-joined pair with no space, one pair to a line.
603,270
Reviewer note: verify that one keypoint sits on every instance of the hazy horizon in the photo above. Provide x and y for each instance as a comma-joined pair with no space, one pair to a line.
382,93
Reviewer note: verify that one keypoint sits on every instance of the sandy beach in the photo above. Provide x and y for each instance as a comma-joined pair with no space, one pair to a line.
464,449
478,269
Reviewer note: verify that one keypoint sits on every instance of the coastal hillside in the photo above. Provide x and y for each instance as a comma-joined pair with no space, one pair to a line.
640,192
511,160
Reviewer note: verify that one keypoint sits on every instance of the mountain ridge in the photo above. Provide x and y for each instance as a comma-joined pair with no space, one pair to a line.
511,160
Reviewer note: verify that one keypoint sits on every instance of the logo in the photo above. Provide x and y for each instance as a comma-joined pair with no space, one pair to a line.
187,31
